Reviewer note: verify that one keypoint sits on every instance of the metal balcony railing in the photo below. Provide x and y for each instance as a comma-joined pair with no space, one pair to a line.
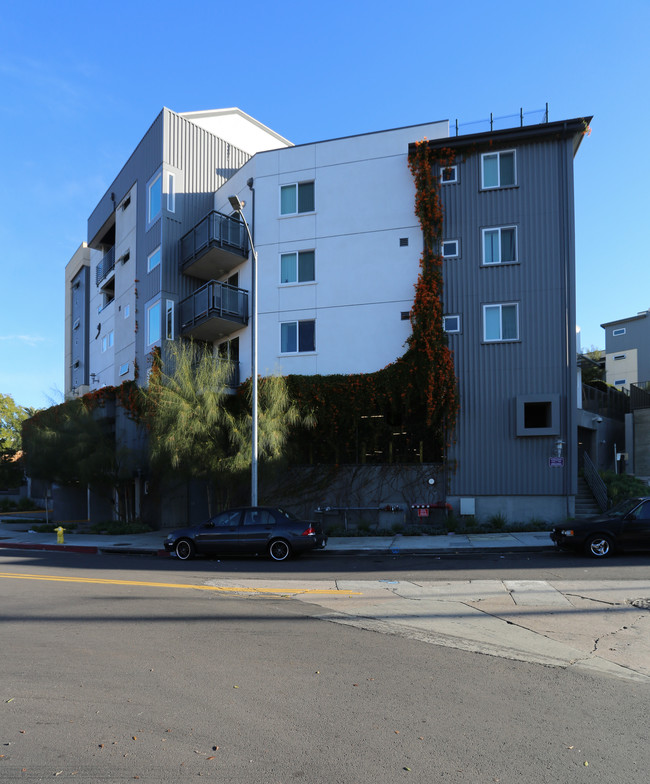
640,395
106,265
215,230
214,300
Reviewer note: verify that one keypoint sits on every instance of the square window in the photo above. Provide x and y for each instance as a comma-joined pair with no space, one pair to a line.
450,249
124,369
498,169
537,415
154,198
448,174
451,323
153,323
298,267
500,322
296,198
500,245
297,336
153,259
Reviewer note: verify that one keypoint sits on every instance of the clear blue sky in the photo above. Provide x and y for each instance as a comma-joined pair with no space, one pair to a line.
81,82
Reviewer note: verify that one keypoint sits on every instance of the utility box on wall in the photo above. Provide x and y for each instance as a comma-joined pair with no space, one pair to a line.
468,506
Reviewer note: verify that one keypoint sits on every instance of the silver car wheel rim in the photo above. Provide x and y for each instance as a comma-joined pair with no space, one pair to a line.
600,547
279,551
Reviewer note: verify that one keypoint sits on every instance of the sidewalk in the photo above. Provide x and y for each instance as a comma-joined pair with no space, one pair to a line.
16,535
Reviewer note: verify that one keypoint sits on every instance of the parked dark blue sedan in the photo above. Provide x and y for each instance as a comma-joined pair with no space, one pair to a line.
625,526
247,531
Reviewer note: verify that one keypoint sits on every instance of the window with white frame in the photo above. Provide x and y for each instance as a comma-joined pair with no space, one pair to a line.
450,249
153,259
153,323
500,245
154,198
448,174
498,169
501,322
171,192
108,340
451,323
127,311
298,267
169,319
296,198
617,332
297,336
124,368
620,382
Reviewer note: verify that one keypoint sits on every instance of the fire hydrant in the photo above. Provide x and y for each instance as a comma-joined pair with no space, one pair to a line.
59,535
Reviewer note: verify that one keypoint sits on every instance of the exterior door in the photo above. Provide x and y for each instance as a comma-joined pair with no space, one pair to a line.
257,527
220,535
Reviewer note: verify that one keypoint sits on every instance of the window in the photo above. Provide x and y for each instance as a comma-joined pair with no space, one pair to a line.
153,259
617,332
621,382
498,169
450,249
500,245
171,193
127,311
619,356
154,198
169,319
297,336
124,369
77,324
538,415
107,341
501,322
448,174
451,323
298,267
403,242
153,323
296,198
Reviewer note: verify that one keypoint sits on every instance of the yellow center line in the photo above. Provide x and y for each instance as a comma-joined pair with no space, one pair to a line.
224,589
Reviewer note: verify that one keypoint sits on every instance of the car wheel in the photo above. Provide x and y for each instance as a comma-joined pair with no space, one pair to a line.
279,550
184,549
599,546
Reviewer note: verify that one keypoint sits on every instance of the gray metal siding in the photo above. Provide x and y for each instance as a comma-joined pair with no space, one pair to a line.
491,459
637,336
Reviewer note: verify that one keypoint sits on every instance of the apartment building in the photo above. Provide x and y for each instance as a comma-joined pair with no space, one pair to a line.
338,248
627,350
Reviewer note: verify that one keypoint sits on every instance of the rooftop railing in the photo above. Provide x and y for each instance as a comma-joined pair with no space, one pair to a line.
492,123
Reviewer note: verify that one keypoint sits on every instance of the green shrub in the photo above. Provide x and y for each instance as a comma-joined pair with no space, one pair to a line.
622,486
50,528
451,523
118,527
498,521
27,505
397,528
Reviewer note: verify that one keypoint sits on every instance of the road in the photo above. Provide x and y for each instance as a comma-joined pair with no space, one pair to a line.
117,668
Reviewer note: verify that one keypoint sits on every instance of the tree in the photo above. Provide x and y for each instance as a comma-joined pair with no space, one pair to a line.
74,444
204,432
11,418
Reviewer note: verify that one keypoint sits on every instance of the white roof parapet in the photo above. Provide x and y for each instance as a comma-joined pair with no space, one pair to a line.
238,128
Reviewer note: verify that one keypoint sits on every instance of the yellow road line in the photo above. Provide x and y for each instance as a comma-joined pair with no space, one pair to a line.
224,589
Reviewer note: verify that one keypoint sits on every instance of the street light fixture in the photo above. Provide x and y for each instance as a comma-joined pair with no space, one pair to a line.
238,206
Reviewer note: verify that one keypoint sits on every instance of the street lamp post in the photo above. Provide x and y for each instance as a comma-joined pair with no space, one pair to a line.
238,206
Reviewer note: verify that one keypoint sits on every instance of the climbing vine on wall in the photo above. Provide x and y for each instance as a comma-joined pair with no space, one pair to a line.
406,411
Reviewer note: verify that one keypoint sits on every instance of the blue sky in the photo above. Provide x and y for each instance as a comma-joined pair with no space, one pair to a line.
81,82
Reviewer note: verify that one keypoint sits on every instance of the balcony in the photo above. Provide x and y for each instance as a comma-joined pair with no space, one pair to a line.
214,311
214,247
105,266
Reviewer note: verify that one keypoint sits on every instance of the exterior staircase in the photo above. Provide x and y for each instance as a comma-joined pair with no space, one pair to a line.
586,505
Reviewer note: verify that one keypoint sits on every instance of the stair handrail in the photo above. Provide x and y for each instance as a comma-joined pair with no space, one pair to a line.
595,482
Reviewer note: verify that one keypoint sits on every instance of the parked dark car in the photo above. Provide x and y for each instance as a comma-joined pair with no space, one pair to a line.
248,530
625,526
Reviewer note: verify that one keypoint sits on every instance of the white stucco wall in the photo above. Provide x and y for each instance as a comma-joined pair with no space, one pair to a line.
364,204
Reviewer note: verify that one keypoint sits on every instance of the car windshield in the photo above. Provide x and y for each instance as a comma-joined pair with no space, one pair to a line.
623,508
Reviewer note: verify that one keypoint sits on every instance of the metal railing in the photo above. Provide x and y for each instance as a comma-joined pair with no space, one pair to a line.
214,300
106,265
596,484
215,229
640,395
531,117
607,402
